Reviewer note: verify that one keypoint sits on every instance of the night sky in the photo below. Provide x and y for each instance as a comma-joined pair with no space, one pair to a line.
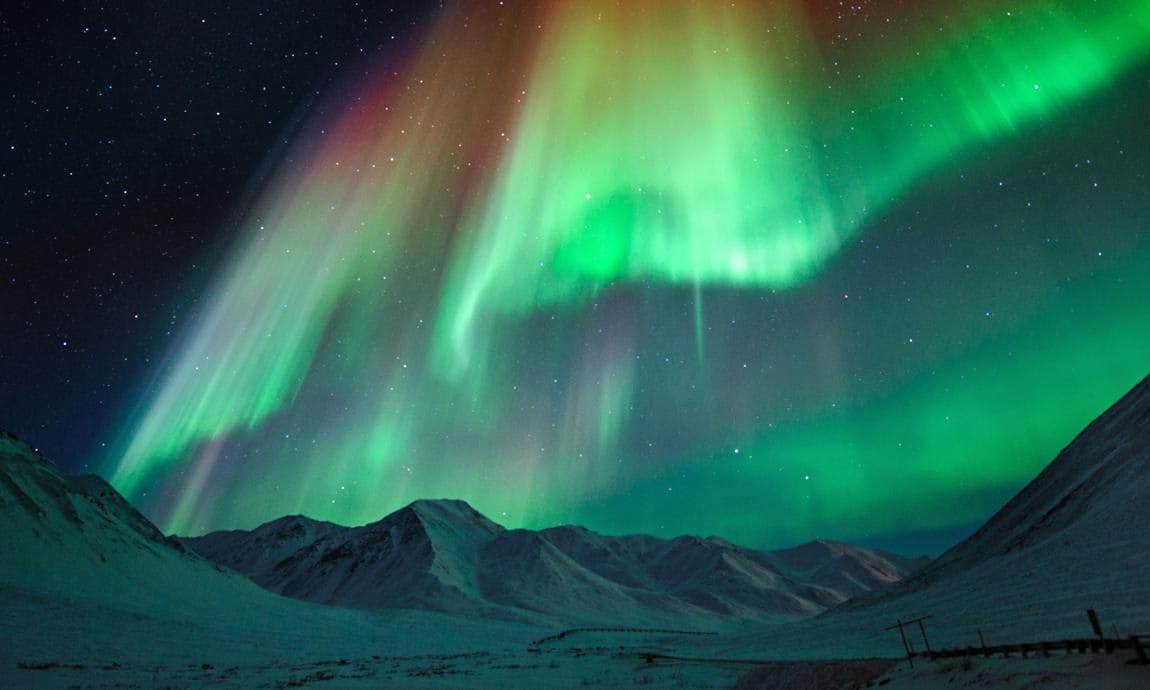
772,271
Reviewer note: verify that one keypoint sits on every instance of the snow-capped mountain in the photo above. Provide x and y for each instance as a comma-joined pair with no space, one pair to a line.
845,568
1075,537
76,537
1098,486
266,546
422,556
444,555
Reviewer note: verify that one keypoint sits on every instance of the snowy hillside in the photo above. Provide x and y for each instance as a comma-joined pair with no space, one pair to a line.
76,536
1076,537
444,555
1073,538
1093,500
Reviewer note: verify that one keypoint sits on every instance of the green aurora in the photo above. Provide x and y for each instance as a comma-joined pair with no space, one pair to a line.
753,270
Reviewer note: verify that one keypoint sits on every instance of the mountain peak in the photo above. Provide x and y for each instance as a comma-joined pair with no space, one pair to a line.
289,521
447,511
15,449
441,505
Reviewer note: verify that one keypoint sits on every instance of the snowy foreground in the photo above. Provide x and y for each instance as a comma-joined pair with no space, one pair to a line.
66,644
93,595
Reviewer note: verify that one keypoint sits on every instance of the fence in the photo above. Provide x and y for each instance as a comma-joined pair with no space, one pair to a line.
1089,645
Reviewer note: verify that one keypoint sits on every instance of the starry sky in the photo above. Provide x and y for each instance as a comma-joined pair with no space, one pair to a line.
771,271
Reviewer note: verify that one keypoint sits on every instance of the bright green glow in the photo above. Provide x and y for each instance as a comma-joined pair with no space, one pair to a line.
669,145
508,276
990,74
702,146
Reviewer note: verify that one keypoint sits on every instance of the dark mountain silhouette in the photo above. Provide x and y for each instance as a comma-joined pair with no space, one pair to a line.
444,555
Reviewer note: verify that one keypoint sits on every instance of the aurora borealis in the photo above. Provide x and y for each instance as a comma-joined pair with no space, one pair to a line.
761,270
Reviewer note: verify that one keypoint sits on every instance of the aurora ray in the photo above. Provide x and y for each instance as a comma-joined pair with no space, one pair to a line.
461,284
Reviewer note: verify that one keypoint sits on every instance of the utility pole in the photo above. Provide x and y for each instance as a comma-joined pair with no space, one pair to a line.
922,629
906,642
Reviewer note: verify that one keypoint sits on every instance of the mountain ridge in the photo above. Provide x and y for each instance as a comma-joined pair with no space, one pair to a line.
443,554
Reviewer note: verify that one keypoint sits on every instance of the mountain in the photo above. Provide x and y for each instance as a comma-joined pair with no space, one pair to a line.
263,547
422,556
1074,538
522,569
845,568
687,576
77,538
1091,496
444,555
709,575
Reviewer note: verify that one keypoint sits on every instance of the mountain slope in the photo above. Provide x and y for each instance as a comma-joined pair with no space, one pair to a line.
1098,485
522,569
76,537
1075,537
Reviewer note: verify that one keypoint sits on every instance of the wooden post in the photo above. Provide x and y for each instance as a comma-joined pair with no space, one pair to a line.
982,641
906,644
905,648
1094,623
925,641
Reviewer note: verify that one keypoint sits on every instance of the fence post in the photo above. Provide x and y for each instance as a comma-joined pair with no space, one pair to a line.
1094,623
905,642
925,641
